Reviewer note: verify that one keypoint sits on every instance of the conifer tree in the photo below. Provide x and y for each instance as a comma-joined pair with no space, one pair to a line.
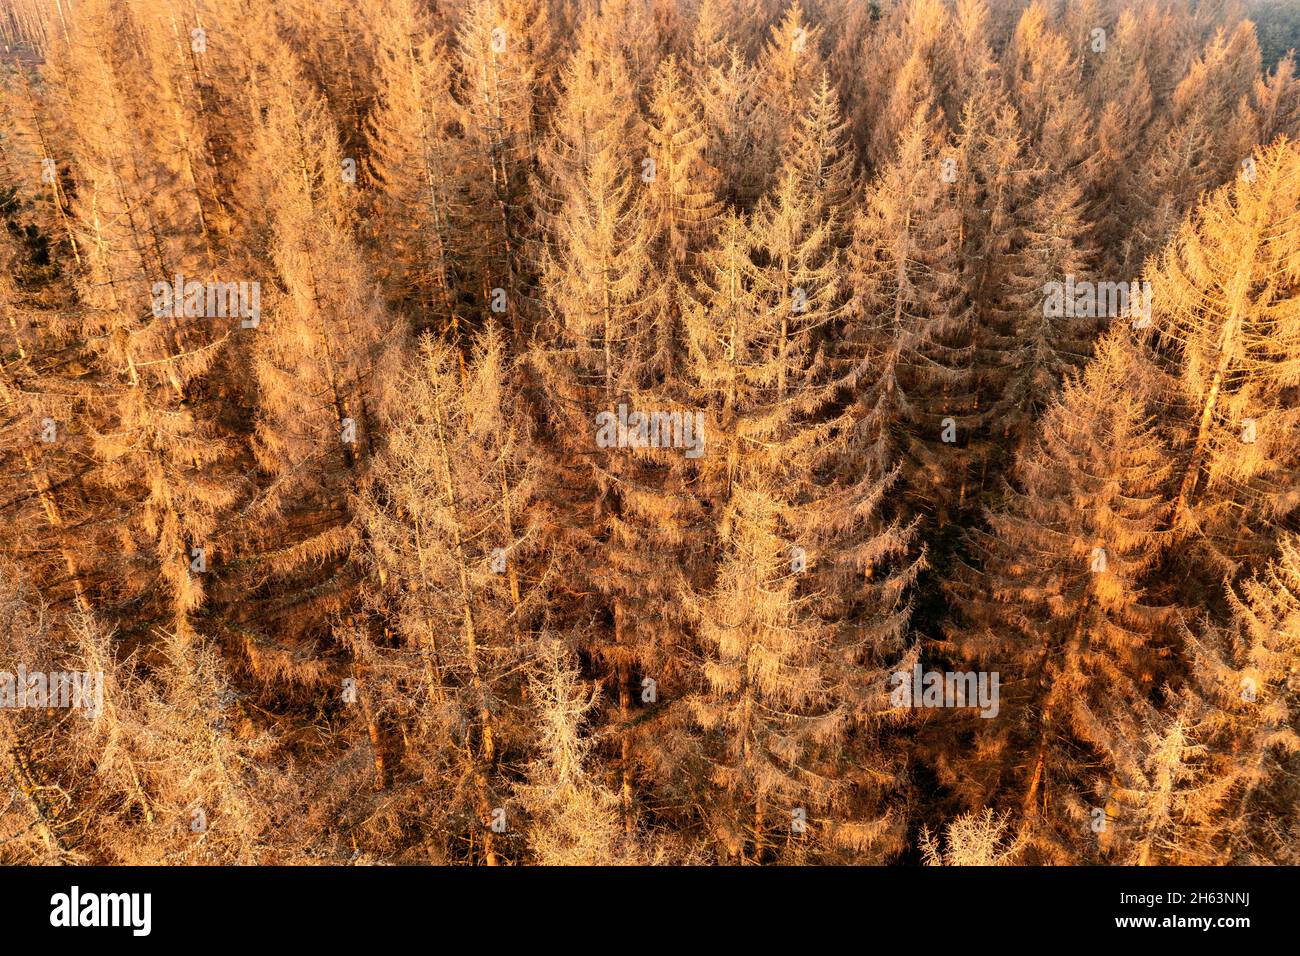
185,119
710,44
95,751
35,130
1045,80
37,409
595,285
1160,799
335,43
906,303
998,367
1112,173
110,753
797,227
447,513
327,331
849,26
774,702
1215,96
1225,304
214,796
789,70
908,62
1244,688
31,821
973,839
507,58
1277,104
1056,604
1037,341
322,356
160,444
574,819
727,89
1205,136
419,169
976,65
681,207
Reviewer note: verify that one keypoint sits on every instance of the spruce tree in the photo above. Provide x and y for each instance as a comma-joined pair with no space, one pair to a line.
1055,604
447,511
1225,304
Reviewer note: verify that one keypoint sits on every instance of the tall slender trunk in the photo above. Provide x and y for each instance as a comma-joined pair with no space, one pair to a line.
487,749
40,479
1238,302
56,191
29,791
1028,806
624,715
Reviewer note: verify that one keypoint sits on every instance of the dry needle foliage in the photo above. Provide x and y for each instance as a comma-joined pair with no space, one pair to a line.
570,432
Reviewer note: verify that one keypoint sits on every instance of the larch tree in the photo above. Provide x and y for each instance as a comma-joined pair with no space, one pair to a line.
653,541
1046,84
321,356
906,304
1204,135
335,43
1111,174
993,182
97,750
974,839
327,330
798,228
849,26
710,43
573,820
976,67
1156,809
1215,96
628,28
905,297
910,56
110,753
38,412
33,822
1277,103
35,149
727,87
186,120
1038,343
215,795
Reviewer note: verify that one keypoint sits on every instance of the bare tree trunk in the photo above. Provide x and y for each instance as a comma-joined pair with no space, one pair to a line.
624,716
56,191
29,792
487,748
40,480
